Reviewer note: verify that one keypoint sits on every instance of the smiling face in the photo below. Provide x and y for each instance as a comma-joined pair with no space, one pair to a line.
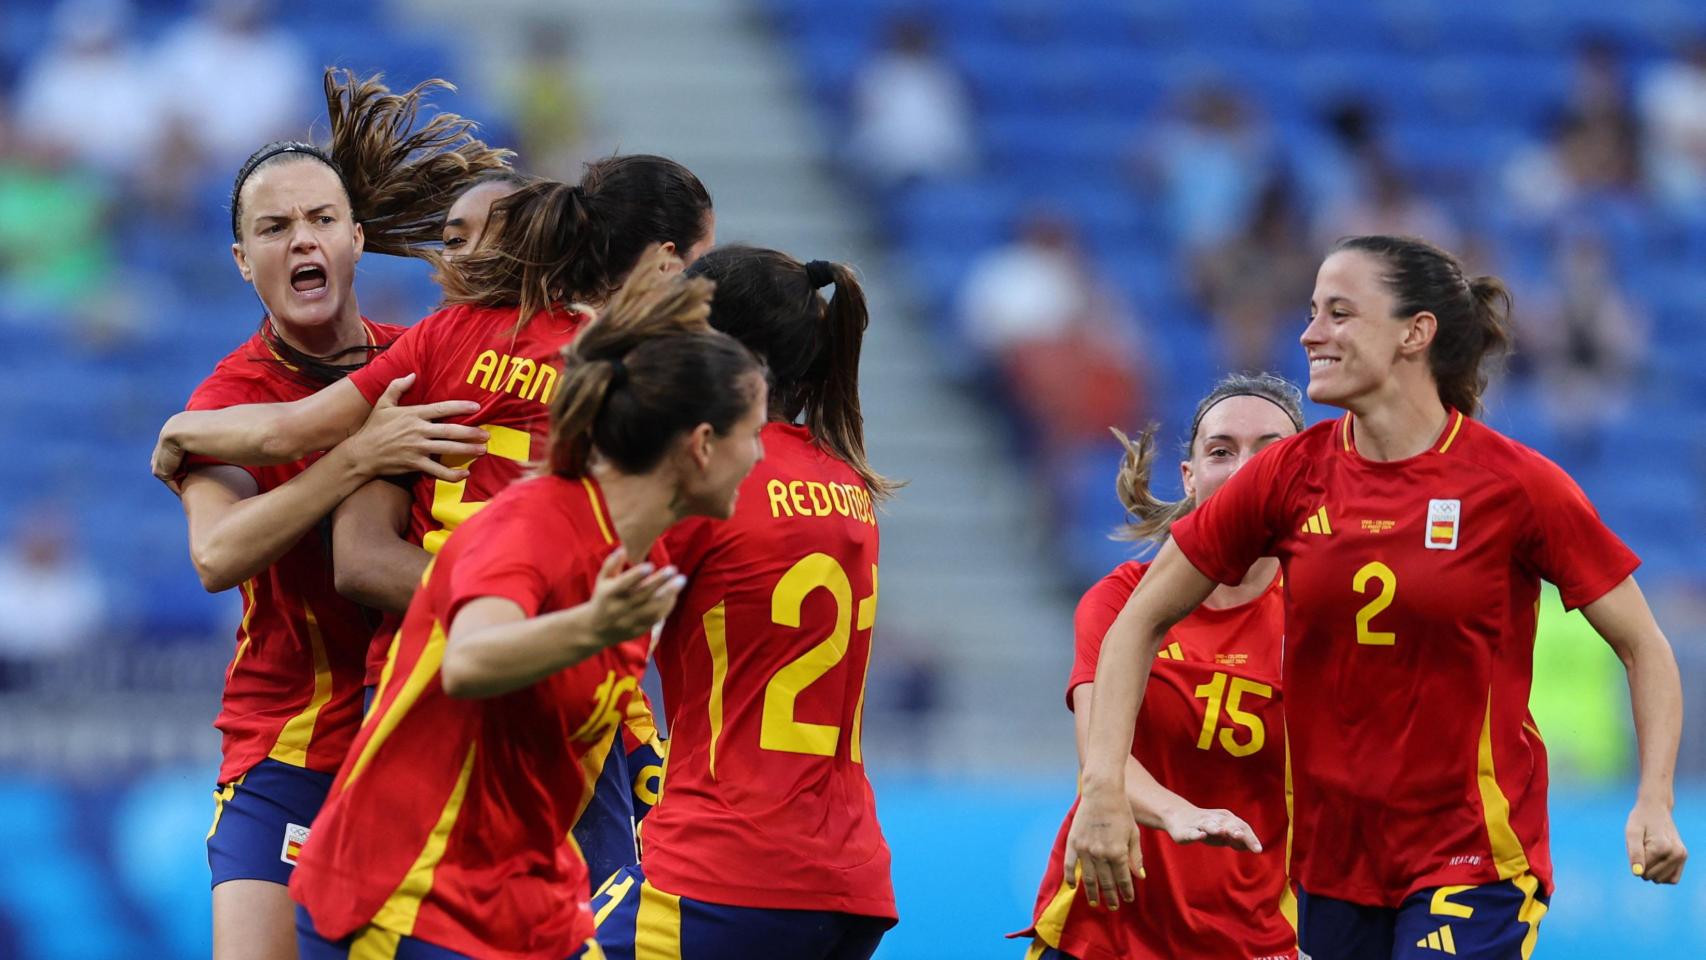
465,222
1231,432
717,464
1356,346
299,244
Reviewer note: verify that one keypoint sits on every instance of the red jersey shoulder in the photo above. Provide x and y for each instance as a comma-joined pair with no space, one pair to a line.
1104,600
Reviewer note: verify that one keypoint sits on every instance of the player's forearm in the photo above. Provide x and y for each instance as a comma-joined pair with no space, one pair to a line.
1121,674
251,434
1152,805
255,532
494,660
1655,697
382,572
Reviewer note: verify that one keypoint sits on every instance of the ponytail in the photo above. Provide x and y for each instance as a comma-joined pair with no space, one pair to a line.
770,302
1150,518
648,370
551,243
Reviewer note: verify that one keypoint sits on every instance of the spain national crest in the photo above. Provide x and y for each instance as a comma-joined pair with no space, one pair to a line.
1444,519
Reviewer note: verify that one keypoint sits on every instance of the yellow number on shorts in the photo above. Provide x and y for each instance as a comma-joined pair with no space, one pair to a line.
448,507
1216,693
1388,589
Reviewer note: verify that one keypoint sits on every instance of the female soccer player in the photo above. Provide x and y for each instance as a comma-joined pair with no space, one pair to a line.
551,254
765,841
444,832
1413,540
300,219
1211,727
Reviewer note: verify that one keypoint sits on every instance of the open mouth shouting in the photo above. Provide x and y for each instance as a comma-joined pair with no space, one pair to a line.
309,281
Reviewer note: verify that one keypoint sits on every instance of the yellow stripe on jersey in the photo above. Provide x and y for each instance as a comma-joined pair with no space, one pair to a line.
248,590
598,512
639,720
1038,948
1347,431
1456,425
716,622
1508,855
657,925
1051,923
1531,911
866,621
384,677
401,908
373,943
298,732
424,672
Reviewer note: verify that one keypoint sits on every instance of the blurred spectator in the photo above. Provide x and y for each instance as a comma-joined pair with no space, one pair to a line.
235,81
546,103
54,248
1333,163
51,601
1582,342
1388,205
1061,343
912,115
1593,149
1252,283
1212,161
90,96
1673,106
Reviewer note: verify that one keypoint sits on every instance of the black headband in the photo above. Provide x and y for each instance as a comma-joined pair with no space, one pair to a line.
819,274
267,153
1197,423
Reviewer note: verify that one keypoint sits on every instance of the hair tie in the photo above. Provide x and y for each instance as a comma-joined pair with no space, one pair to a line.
819,274
618,372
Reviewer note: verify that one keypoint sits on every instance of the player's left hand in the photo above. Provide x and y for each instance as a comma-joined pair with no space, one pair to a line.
1656,853
1214,828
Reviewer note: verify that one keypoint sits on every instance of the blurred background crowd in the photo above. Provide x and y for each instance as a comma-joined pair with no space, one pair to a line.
1070,215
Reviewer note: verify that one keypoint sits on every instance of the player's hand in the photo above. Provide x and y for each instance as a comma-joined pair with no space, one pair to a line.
1102,849
167,459
397,439
1215,828
1656,853
628,603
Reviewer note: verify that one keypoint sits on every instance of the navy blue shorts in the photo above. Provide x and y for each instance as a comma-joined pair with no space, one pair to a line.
260,821
605,831
645,774
372,943
1042,951
637,919
1493,921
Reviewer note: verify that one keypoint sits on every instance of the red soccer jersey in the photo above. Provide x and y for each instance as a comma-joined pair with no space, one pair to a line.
449,820
473,353
1412,590
1211,730
293,689
765,802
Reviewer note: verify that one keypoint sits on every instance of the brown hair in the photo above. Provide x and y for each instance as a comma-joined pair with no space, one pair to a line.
646,371
550,242
769,301
1473,313
1150,517
398,179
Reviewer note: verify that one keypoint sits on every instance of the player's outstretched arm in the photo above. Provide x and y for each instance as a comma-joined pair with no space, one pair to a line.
1622,617
1103,838
494,647
1156,807
373,563
261,434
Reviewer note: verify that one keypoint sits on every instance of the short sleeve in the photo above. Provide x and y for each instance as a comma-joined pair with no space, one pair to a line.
217,393
1096,612
507,559
1238,524
1568,544
400,359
